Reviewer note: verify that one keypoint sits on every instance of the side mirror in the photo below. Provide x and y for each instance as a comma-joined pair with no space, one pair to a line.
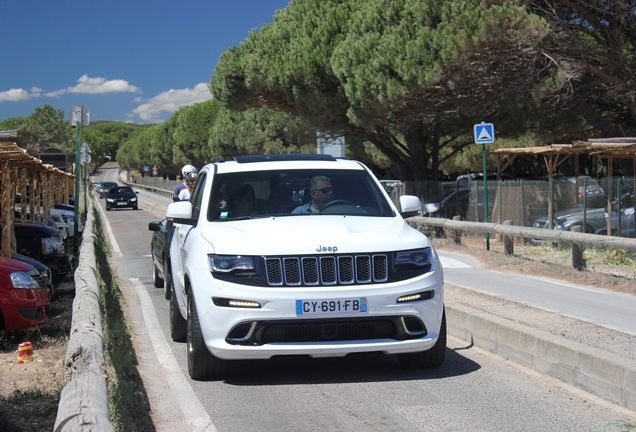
410,206
155,226
181,212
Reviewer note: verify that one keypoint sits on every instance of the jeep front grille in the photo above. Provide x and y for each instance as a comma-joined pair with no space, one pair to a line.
326,270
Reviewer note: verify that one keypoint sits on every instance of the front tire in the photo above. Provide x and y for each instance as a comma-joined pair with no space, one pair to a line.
431,358
177,323
167,279
157,280
202,364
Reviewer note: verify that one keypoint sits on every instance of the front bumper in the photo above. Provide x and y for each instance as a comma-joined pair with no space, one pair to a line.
121,204
23,308
276,329
60,264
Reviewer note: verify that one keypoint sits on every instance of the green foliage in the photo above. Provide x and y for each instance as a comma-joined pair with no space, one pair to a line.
135,153
191,133
257,131
409,76
618,257
12,123
590,62
105,138
45,128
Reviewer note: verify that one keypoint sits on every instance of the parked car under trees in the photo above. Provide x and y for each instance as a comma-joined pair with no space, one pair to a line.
23,297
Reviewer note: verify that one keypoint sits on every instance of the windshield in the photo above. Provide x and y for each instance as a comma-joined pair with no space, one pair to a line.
296,193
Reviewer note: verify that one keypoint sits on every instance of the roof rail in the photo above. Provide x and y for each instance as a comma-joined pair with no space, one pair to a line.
284,157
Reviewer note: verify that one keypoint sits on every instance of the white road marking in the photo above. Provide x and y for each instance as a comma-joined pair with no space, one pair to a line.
193,411
113,243
448,262
579,287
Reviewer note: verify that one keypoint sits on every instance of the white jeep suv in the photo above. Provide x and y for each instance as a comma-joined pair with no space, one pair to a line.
264,281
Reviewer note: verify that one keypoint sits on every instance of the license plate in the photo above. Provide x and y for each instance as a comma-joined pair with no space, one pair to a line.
331,307
121,203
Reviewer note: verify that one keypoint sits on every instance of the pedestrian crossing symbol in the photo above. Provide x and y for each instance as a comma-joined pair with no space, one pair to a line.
484,133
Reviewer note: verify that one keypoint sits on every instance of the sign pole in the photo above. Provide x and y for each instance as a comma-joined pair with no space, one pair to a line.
485,133
483,158
78,170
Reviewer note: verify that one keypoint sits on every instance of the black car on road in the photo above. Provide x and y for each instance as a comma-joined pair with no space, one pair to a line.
104,187
121,197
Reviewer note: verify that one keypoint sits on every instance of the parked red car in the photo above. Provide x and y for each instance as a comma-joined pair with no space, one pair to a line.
22,296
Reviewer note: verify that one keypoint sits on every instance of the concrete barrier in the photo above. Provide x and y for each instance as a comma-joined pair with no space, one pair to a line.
606,375
84,400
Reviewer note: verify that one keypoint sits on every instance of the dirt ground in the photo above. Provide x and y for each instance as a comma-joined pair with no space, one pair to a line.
29,392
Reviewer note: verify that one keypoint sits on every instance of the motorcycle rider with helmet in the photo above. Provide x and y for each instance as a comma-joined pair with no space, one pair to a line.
187,169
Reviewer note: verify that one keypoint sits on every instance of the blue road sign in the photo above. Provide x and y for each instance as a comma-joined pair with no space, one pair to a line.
484,133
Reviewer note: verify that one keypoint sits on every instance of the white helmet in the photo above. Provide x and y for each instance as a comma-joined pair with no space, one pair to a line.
187,169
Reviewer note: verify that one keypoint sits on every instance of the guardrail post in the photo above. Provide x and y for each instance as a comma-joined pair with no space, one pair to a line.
577,252
457,235
509,245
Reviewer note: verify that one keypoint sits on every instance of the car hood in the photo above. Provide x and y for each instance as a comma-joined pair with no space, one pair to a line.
25,229
300,235
9,265
28,260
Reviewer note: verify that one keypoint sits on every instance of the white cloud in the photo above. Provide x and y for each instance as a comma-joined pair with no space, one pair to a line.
14,95
170,101
96,85
101,85
86,85
55,94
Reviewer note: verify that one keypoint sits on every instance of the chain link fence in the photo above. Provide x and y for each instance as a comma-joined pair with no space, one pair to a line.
581,201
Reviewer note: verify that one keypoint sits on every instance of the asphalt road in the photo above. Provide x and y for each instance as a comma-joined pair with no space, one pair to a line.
473,390
587,303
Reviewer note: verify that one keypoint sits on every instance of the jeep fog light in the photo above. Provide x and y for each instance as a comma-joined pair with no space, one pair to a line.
424,295
227,264
233,303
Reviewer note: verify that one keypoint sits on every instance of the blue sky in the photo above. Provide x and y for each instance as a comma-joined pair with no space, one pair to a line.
127,60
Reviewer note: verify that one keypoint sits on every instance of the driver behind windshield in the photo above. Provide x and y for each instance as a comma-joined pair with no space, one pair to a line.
321,193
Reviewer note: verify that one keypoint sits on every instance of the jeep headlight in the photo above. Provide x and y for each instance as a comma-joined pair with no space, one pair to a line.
413,259
228,263
23,280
